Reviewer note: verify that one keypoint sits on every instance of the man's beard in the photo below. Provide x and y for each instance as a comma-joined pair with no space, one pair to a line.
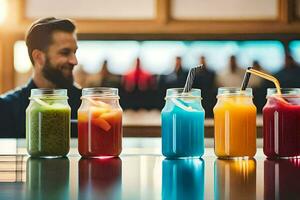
56,76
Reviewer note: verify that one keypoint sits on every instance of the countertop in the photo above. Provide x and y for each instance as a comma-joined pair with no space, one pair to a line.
141,172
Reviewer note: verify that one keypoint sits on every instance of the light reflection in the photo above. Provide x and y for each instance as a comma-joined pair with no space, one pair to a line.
183,179
47,178
235,179
281,179
22,63
3,11
100,178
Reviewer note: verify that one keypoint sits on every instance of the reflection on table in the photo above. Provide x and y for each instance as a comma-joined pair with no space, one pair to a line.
47,178
143,173
183,179
281,179
100,178
235,179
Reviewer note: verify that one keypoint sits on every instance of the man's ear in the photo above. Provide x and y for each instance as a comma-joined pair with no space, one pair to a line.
39,57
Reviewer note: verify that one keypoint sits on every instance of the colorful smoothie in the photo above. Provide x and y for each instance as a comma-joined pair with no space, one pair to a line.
281,118
100,130
235,124
182,127
48,129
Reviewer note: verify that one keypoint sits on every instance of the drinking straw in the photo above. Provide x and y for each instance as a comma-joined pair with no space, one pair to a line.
41,102
268,77
246,79
190,78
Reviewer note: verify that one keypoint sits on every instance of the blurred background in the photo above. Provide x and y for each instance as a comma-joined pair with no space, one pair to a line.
144,47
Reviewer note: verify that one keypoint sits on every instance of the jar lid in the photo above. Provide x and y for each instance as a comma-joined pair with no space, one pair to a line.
234,91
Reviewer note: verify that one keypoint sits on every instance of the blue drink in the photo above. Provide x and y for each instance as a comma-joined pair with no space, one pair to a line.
183,124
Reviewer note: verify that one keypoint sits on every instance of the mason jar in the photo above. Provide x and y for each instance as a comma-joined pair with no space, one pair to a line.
48,123
235,123
100,123
281,123
183,124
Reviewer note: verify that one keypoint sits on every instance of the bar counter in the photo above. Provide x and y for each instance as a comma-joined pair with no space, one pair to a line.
145,123
141,172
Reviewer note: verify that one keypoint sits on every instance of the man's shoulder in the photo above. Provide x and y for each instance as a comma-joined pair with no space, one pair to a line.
18,93
13,95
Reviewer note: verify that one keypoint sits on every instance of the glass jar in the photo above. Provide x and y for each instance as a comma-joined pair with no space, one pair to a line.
281,123
48,121
235,123
100,123
183,124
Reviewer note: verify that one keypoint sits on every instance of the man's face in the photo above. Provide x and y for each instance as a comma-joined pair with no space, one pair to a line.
61,59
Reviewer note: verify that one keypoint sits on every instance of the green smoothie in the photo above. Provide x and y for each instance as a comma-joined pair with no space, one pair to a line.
48,128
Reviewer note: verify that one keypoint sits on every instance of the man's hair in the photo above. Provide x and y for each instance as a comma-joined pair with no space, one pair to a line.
39,36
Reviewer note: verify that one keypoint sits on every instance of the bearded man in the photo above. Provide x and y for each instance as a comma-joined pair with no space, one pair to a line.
52,46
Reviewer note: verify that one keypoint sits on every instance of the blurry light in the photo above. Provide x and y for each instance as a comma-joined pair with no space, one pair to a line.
295,50
158,57
90,56
269,54
216,61
22,63
120,55
3,10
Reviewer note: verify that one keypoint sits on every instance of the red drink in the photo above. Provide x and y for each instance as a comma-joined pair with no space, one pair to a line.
281,124
99,126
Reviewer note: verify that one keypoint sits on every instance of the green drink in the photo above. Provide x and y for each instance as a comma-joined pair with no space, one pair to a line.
48,123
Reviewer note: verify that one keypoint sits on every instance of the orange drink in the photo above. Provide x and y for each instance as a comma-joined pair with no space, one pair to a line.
235,123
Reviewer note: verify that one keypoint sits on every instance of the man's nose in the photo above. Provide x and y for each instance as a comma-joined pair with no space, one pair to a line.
73,60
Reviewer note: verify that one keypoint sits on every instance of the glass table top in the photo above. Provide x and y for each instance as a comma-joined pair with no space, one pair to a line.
141,172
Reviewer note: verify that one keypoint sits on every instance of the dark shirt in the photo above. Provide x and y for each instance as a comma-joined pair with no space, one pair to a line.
13,105
289,77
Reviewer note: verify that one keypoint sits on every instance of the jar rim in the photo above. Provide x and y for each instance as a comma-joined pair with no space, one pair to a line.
178,93
234,91
285,92
105,92
48,93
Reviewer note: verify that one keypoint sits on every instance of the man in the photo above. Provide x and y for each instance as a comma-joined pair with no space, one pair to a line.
51,47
